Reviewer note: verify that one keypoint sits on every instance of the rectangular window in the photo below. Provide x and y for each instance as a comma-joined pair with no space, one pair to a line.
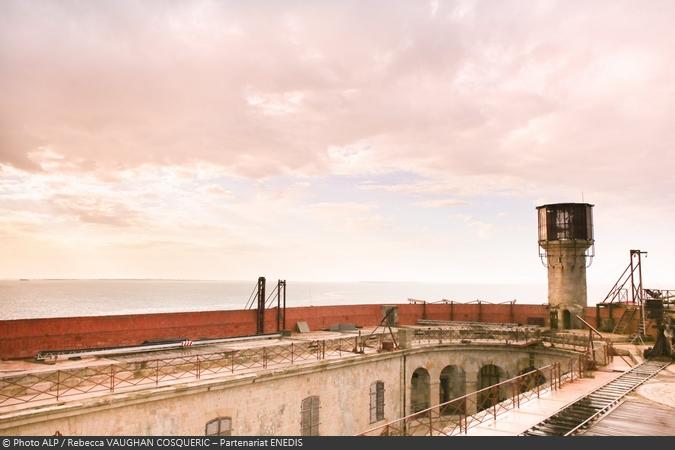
377,401
222,426
309,420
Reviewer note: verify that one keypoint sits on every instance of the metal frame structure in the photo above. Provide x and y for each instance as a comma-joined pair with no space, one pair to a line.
633,274
263,302
562,224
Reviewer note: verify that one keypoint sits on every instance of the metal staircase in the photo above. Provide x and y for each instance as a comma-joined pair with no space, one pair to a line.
626,319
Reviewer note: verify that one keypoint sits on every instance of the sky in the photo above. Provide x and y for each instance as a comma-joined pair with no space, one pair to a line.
335,141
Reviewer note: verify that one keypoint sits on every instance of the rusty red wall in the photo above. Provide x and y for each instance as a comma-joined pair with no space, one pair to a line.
24,338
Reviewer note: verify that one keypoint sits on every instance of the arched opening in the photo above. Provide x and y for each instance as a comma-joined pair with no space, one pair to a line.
419,390
567,319
452,386
534,379
489,375
554,320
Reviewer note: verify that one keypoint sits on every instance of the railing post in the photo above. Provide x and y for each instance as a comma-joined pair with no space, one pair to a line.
58,384
559,366
198,368
157,372
112,378
581,368
291,353
431,427
323,350
518,396
494,403
264,354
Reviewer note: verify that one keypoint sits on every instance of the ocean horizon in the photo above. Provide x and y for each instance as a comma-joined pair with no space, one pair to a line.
42,298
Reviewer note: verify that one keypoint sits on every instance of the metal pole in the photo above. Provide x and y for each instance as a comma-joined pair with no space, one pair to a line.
279,305
260,326
284,304
642,308
632,275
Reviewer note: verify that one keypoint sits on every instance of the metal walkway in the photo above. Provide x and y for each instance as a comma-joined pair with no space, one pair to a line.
579,415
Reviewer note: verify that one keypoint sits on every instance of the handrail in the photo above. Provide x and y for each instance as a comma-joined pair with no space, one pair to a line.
608,343
590,327
426,419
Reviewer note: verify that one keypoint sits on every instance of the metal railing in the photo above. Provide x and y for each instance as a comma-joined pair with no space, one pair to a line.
53,386
485,404
57,385
567,341
466,333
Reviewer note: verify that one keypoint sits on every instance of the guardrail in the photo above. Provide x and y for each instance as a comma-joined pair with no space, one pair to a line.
506,335
488,403
53,386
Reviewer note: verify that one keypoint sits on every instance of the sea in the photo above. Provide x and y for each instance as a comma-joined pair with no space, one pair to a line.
24,299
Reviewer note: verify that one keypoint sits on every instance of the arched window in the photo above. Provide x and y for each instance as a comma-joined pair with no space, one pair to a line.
221,426
309,420
377,401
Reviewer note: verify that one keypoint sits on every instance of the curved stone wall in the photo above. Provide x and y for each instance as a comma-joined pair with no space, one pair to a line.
269,402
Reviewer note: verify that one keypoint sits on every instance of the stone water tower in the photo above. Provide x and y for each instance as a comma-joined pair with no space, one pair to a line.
566,247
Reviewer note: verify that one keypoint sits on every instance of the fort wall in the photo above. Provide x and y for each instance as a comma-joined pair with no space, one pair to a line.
269,402
25,337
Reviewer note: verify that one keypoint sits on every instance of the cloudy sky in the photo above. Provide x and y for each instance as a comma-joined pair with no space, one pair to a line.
376,140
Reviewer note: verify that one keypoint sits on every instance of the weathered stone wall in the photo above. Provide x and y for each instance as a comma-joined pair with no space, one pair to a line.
269,403
567,290
511,361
